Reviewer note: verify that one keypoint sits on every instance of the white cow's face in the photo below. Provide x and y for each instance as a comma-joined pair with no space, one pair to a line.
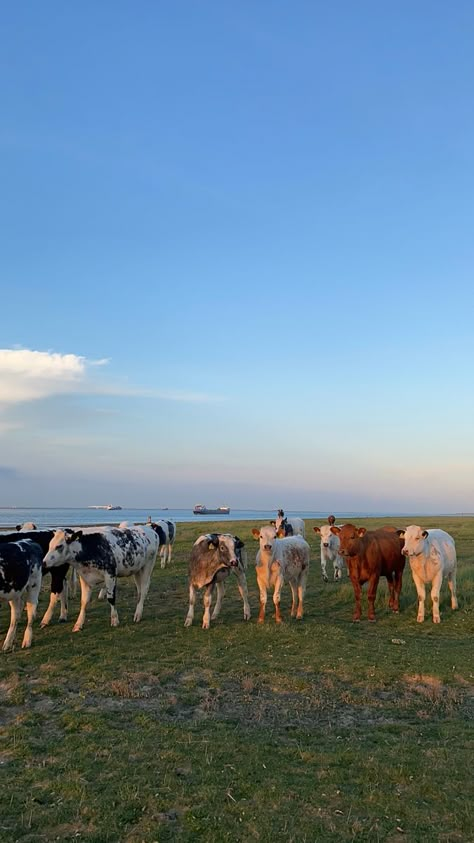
328,539
414,541
60,550
266,536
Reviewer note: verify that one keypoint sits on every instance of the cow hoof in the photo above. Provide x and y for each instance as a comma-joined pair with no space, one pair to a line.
325,579
188,622
355,620
419,620
62,620
372,620
436,620
246,617
261,620
44,625
77,629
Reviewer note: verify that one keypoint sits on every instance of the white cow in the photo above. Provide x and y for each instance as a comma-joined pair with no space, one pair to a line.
279,561
330,552
101,555
432,555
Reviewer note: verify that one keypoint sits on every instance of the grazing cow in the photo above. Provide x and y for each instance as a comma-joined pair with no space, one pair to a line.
279,561
330,552
20,578
213,557
166,531
26,527
432,555
288,526
101,555
370,555
59,585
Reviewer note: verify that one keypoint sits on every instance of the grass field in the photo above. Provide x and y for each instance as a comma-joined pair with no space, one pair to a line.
319,730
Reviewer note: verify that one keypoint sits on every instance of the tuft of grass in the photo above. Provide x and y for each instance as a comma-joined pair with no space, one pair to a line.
315,730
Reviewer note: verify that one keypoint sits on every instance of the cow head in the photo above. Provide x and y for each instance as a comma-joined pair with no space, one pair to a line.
328,539
265,536
229,548
349,537
60,548
414,540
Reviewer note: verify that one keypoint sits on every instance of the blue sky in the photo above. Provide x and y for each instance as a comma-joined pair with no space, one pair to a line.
237,254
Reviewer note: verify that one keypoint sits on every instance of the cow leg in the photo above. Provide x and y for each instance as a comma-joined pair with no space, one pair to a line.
192,602
206,620
397,587
59,590
46,619
244,592
86,592
301,593
163,556
73,582
357,593
144,578
452,588
337,570
111,590
32,594
170,551
323,568
421,591
220,597
102,593
371,595
294,598
276,597
262,587
15,613
435,592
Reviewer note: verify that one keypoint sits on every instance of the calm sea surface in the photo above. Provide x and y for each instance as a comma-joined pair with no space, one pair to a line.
82,517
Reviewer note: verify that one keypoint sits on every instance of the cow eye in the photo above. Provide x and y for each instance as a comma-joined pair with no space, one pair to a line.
60,547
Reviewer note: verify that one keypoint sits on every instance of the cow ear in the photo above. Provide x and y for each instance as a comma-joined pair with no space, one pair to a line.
361,532
213,540
317,529
256,533
273,523
74,536
425,534
238,542
401,533
18,528
335,530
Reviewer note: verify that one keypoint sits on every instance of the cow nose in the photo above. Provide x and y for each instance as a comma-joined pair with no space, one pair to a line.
325,544
268,547
405,551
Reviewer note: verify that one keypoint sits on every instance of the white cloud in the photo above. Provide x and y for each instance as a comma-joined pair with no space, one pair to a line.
29,375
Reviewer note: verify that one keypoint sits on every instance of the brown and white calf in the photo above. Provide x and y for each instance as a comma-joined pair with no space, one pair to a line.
20,580
279,561
330,552
370,555
432,556
213,557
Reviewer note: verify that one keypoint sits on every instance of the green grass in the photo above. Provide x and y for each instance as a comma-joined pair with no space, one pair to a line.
318,730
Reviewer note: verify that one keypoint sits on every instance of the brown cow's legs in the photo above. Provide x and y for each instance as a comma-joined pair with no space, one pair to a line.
372,592
357,593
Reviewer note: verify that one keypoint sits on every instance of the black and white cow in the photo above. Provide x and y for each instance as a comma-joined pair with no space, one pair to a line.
101,555
288,526
59,585
166,531
20,579
213,557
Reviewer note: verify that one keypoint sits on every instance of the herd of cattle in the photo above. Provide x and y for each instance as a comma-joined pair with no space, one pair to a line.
100,555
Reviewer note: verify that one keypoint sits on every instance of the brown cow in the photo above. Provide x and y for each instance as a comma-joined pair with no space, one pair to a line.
370,555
